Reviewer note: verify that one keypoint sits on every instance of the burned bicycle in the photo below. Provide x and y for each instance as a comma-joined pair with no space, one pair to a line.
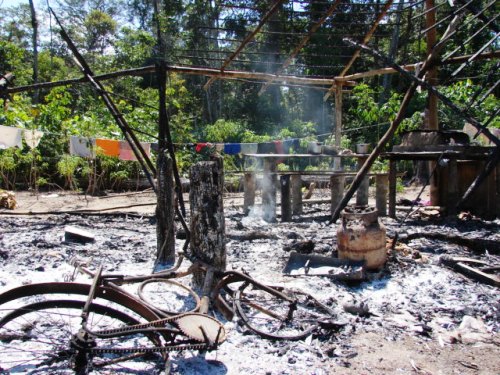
72,327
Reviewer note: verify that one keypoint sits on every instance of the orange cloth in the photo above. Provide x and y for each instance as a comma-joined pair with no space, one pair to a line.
109,147
126,152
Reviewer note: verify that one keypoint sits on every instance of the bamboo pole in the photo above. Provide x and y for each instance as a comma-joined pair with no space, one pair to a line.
348,80
139,152
431,58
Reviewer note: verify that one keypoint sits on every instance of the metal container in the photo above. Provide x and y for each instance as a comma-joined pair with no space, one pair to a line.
314,148
361,236
363,148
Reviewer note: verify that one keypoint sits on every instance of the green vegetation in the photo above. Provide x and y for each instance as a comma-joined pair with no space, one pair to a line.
116,35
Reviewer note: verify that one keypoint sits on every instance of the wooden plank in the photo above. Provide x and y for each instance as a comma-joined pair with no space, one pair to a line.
75,234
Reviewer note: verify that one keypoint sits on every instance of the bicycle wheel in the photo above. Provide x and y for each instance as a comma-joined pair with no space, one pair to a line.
45,302
169,296
40,338
268,314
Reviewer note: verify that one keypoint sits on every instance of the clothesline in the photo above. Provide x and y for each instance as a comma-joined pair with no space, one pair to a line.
87,146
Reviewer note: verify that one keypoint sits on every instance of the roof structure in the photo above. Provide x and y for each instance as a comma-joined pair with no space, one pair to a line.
306,38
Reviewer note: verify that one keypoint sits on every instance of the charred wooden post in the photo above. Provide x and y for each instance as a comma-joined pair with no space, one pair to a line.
269,190
296,194
381,188
165,227
207,216
392,188
452,196
249,191
286,204
337,184
497,179
362,192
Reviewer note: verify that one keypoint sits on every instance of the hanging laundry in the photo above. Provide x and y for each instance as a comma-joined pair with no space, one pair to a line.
200,146
290,145
126,152
109,147
32,137
279,150
279,147
219,147
82,146
10,137
232,148
266,148
249,148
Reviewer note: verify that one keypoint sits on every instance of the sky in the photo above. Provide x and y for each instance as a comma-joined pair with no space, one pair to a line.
9,3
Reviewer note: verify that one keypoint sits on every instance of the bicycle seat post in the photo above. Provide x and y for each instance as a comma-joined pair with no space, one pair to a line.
91,296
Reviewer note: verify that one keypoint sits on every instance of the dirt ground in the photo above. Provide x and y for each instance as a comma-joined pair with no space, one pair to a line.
377,344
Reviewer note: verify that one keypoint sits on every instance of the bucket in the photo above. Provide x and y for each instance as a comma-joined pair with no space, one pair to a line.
361,236
363,148
314,148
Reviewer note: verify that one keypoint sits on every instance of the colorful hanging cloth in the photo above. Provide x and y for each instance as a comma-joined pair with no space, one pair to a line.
82,146
10,137
249,148
109,147
32,137
290,145
126,152
200,146
266,148
232,148
278,145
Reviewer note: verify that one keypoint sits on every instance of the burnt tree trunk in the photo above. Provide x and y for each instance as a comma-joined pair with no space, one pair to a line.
165,227
34,24
207,216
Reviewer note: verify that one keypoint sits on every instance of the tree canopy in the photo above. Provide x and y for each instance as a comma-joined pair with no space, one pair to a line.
282,38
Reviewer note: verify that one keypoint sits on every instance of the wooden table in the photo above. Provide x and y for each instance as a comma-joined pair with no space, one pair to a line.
290,184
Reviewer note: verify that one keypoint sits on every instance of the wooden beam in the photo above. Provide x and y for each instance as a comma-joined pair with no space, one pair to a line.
131,138
229,74
348,80
392,128
431,77
411,67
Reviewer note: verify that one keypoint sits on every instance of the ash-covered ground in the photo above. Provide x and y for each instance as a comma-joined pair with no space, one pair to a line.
416,316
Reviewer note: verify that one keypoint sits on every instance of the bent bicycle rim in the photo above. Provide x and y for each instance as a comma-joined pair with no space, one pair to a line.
39,338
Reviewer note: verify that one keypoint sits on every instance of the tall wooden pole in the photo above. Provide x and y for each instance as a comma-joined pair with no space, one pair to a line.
338,124
165,227
431,112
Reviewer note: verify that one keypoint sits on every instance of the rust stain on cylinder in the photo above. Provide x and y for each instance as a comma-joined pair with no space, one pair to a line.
361,236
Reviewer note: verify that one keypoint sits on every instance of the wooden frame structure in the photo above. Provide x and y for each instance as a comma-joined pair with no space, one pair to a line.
451,14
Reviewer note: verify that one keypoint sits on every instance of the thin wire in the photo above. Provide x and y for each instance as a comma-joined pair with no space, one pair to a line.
463,44
452,14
